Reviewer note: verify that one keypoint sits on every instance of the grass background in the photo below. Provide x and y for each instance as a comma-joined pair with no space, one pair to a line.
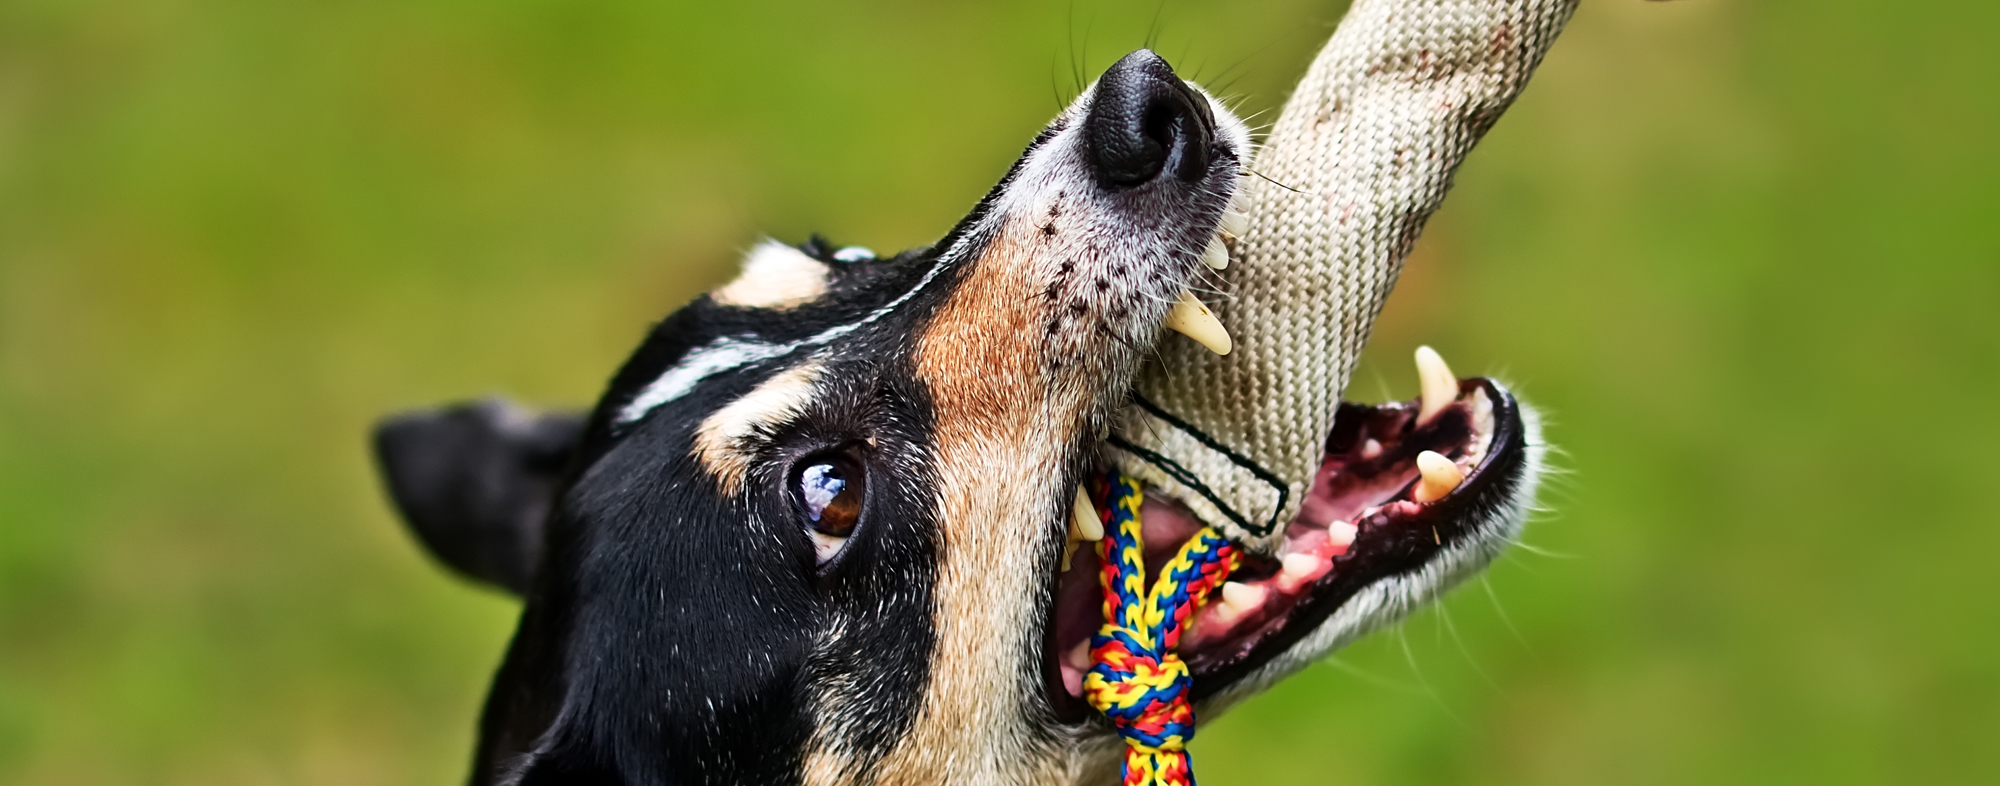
1744,253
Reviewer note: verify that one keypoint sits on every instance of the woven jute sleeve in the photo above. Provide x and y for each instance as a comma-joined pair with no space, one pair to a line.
1358,160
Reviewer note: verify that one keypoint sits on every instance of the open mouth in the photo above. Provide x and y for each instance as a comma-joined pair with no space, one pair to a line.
1400,484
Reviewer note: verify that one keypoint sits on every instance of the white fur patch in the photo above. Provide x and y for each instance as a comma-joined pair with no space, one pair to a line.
731,353
774,275
699,364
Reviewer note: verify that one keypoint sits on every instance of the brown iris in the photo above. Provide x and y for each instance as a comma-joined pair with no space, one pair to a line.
829,491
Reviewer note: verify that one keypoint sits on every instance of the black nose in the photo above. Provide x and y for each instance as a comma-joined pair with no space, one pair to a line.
1144,120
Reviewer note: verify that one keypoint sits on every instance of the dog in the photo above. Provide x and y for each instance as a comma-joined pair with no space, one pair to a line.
822,527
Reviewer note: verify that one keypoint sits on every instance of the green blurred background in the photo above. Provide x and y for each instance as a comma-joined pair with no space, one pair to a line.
1744,254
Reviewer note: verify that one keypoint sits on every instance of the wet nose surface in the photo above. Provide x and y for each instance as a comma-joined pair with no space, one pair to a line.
1144,121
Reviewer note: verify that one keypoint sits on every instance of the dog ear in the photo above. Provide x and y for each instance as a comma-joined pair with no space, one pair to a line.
475,482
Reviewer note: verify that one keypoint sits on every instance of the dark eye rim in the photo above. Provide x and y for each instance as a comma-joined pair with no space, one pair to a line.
852,461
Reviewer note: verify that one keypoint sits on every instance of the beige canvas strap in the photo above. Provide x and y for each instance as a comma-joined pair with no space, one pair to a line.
1361,156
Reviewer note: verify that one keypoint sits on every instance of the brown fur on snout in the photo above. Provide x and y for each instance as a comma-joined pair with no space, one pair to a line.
1010,415
1024,362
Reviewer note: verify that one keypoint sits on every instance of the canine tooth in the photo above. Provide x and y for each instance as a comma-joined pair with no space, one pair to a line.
1235,223
1084,522
1240,597
1340,534
1192,319
1440,476
1371,449
1216,256
1439,386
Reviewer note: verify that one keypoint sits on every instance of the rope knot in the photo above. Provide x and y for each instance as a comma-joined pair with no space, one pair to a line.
1145,694
1136,679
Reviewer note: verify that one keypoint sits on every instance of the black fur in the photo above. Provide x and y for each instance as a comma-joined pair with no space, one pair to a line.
475,482
621,673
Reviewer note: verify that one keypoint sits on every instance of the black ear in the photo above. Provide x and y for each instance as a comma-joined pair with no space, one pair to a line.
475,482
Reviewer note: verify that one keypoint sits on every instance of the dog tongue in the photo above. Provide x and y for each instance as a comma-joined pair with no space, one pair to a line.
1361,156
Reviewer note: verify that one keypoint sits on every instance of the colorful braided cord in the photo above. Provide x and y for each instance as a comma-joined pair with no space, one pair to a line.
1135,678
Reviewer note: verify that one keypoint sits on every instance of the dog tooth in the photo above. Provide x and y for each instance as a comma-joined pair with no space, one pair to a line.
1192,319
1235,223
1371,449
1299,565
1440,476
1299,568
1340,534
1440,388
1240,597
1216,256
1083,518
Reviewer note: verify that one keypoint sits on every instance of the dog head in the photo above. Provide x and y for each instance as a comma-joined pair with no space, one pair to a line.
818,529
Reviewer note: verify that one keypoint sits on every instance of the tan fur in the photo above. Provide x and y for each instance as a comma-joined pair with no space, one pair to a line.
988,376
776,276
727,441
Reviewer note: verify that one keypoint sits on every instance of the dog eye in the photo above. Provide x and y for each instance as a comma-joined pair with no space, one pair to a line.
828,491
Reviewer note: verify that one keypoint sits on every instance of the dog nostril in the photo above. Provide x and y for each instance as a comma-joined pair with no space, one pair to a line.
1144,120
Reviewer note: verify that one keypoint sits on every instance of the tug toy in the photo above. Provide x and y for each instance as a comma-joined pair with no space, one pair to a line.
1135,677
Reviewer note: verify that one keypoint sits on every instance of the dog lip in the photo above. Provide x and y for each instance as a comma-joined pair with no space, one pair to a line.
1143,119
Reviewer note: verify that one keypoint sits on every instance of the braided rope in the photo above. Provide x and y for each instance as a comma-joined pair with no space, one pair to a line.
1135,678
